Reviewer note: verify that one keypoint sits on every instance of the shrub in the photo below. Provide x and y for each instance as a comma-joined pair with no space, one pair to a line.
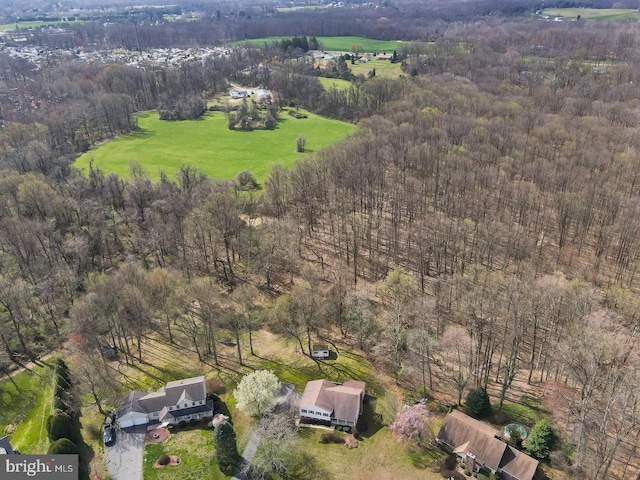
515,440
164,460
351,441
477,403
246,181
215,386
62,446
60,425
330,437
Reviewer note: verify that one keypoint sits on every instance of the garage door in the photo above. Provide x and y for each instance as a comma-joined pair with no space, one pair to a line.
125,422
140,420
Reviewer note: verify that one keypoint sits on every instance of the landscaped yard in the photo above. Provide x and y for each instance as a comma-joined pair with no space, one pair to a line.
211,147
27,408
196,448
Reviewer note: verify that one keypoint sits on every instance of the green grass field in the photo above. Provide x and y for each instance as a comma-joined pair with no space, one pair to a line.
341,44
28,407
5,27
211,147
384,68
329,83
594,13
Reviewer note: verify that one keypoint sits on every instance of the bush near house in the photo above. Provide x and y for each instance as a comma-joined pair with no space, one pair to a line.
477,403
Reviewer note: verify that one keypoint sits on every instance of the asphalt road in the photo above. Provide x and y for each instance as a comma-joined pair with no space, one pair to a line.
124,459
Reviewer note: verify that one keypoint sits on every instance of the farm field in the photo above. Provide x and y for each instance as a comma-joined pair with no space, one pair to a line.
208,145
5,27
329,83
341,44
594,13
384,68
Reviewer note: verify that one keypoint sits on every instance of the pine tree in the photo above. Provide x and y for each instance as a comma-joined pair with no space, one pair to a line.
541,440
226,450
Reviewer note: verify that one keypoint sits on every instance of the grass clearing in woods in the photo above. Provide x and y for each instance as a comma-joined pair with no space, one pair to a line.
209,145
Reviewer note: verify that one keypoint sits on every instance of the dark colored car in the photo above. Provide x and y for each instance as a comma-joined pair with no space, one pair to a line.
109,435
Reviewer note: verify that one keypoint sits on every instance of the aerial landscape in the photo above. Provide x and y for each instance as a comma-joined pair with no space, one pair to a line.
312,239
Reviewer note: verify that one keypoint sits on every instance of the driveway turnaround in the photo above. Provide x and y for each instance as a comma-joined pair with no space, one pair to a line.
124,459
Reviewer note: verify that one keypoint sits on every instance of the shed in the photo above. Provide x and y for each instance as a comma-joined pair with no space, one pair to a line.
320,351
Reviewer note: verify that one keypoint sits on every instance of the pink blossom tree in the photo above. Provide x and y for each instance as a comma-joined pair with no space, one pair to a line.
413,424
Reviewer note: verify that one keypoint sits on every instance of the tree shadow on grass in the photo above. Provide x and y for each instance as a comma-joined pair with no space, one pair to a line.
369,422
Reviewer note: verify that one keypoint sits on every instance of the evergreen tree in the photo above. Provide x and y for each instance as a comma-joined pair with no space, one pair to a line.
226,450
541,440
477,403
62,446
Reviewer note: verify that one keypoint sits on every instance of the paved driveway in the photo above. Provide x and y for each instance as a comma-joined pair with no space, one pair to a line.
124,459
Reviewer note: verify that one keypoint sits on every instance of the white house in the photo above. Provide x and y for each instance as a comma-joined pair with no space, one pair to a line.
338,404
180,400
238,93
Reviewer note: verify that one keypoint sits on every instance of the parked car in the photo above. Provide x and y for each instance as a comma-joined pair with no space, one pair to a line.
109,435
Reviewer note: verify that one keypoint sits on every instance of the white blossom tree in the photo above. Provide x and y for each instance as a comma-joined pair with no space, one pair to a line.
254,394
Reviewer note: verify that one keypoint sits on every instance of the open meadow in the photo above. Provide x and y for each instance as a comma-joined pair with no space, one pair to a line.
209,145
594,13
340,44
5,27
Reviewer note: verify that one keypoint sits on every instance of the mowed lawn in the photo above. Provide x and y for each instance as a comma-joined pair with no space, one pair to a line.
209,145
24,410
340,44
5,27
594,13
384,68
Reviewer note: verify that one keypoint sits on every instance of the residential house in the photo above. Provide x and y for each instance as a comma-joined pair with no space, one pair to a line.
5,447
320,351
263,96
481,449
334,403
178,401
238,94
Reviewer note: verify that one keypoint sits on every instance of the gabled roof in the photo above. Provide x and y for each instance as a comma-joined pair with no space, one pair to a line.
313,395
154,401
194,388
468,435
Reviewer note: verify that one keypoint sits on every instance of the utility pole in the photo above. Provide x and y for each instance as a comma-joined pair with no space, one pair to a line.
135,26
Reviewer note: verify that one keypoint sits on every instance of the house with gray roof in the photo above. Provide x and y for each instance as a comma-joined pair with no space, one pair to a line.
5,447
178,401
480,448
334,403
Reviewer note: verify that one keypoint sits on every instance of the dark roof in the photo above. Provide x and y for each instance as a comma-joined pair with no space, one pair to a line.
130,403
5,444
194,388
207,407
468,435
319,347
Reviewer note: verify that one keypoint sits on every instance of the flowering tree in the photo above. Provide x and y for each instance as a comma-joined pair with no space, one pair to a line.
413,424
255,392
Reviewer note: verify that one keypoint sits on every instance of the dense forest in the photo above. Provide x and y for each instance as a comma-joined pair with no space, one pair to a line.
482,225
